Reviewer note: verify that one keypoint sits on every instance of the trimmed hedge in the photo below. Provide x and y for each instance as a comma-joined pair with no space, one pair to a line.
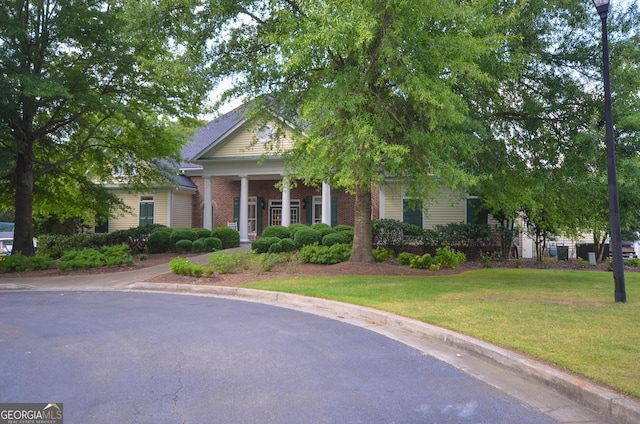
342,237
159,241
212,244
276,231
180,234
184,245
228,236
306,236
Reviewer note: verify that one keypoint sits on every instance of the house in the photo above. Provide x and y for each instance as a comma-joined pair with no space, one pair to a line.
169,204
237,173
231,177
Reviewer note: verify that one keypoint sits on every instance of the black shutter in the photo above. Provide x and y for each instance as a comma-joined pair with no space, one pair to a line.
236,210
334,211
259,214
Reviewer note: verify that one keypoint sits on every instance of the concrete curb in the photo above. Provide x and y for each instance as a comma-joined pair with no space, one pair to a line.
615,407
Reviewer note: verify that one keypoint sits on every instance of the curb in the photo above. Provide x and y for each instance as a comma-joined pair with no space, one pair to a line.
615,407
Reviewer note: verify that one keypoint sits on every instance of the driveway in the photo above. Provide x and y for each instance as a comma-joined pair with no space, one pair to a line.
131,357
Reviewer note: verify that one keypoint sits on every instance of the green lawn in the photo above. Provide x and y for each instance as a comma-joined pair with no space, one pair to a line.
568,318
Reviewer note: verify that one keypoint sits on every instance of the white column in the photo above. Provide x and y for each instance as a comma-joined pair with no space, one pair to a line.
286,203
326,204
243,224
207,216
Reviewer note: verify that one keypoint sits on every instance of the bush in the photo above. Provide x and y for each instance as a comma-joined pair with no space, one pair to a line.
183,246
323,228
381,254
449,258
39,262
404,258
275,248
305,237
263,244
394,234
342,237
14,263
182,266
339,228
231,263
198,246
180,234
228,236
287,245
159,241
202,233
316,254
276,231
212,244
293,228
425,261
95,258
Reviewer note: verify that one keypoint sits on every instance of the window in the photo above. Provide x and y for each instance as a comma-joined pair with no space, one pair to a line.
252,216
317,209
476,214
412,212
146,215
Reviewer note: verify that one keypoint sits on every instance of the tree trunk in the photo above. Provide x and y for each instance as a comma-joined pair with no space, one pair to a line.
23,233
362,241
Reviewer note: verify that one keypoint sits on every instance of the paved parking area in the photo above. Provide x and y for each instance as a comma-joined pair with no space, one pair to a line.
163,358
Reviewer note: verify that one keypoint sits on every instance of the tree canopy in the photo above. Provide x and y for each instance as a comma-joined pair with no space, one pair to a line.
89,90
373,86
547,152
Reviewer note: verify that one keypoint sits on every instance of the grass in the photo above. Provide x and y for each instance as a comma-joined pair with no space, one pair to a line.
567,318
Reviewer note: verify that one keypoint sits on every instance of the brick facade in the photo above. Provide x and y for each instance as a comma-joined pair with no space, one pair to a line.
225,190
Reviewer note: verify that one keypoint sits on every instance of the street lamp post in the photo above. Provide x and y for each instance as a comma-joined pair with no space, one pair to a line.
603,7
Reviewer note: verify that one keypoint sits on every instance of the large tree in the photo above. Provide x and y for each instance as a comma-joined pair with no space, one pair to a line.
545,150
90,90
372,85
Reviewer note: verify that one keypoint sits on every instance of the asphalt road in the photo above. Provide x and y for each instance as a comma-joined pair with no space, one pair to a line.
118,357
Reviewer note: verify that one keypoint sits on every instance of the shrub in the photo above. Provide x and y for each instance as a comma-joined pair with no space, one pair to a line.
231,263
183,246
323,228
18,263
228,236
394,234
182,266
96,258
293,228
381,254
287,245
449,258
316,254
342,237
212,244
422,262
202,233
263,244
182,234
14,263
198,246
275,248
339,228
404,258
39,262
305,237
159,241
276,231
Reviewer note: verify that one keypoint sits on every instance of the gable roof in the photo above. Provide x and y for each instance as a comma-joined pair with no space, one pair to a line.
212,133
